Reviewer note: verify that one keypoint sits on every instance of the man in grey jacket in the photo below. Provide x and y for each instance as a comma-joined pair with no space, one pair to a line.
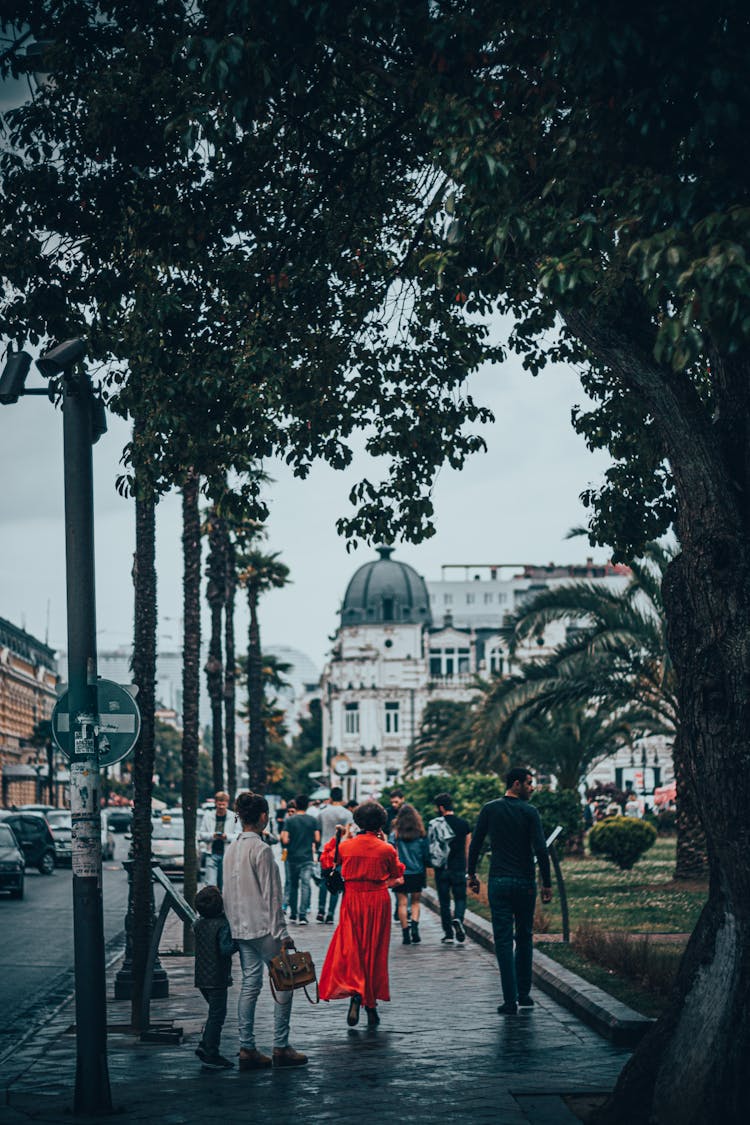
252,903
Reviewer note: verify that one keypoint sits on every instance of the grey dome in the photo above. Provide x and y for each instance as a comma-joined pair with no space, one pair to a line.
385,591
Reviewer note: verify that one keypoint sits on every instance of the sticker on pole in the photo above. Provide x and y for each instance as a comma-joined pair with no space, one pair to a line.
118,723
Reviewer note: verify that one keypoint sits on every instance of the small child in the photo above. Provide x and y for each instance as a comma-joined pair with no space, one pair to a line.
213,972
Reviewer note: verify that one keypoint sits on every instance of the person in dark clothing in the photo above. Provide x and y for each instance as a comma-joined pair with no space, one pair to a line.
450,875
299,837
213,972
516,836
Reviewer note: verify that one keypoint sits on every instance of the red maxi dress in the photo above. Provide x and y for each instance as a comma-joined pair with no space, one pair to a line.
357,958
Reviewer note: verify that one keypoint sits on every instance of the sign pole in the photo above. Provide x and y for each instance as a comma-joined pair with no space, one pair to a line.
92,1090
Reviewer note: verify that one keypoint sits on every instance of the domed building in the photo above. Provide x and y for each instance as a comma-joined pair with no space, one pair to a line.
377,682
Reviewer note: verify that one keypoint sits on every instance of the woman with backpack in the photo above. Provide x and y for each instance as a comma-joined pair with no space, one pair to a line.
410,841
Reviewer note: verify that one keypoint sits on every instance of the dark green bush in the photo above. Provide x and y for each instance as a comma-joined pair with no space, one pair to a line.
622,840
469,791
666,822
561,806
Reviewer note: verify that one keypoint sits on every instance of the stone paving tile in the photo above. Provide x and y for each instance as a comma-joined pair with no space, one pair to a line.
440,1048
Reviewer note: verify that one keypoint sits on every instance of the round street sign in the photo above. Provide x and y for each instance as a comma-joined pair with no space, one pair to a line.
119,723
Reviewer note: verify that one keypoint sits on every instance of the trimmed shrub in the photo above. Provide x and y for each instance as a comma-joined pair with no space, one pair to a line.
561,806
622,840
666,822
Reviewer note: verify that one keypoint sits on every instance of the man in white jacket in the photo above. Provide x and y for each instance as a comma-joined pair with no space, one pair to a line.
252,904
218,828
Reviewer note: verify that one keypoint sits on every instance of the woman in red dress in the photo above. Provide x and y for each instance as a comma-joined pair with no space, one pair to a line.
356,965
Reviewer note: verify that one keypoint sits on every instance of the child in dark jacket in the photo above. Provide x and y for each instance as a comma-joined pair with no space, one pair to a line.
213,972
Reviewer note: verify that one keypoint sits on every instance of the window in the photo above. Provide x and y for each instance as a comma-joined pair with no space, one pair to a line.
391,718
388,609
447,599
351,718
436,665
470,599
496,660
449,661
488,599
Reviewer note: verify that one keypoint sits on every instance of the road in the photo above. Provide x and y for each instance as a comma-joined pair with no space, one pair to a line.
36,958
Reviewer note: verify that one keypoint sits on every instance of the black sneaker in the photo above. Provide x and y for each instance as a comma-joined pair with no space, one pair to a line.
329,919
446,940
525,1002
292,917
507,1009
459,930
302,921
201,1052
215,1062
319,917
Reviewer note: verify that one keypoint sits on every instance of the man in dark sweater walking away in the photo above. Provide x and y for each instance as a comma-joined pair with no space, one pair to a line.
515,832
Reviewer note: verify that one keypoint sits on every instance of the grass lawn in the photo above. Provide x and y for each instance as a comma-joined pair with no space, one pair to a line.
640,998
642,900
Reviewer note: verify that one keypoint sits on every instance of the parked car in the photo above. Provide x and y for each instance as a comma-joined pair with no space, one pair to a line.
60,824
168,844
119,817
12,862
43,809
35,837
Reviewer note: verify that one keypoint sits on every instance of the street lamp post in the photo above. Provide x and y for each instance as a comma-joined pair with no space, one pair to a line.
83,423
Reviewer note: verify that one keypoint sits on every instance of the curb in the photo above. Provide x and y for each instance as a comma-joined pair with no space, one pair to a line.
612,1019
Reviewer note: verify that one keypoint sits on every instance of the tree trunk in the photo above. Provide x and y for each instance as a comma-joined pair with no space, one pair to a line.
144,675
691,1068
692,858
256,743
230,672
216,594
191,549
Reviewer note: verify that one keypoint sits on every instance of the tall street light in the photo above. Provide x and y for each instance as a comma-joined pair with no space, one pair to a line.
84,421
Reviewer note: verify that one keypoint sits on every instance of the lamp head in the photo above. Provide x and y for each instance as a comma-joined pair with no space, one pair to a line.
62,356
13,377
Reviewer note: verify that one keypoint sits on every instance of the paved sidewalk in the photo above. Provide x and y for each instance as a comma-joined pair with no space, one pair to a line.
441,1049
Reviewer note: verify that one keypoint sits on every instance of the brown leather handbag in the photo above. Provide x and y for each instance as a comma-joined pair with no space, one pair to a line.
292,969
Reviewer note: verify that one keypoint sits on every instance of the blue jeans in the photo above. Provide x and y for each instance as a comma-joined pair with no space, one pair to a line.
323,895
447,881
512,902
255,954
214,871
217,1013
300,876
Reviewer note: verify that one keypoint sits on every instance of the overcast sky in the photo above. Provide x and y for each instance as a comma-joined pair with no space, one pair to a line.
513,504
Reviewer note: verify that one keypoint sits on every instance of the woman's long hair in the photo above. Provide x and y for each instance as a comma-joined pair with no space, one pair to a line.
408,824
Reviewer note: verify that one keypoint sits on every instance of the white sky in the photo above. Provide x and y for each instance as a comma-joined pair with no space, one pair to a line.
513,504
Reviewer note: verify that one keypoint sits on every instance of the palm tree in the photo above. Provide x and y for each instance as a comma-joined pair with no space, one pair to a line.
445,737
230,666
615,655
216,592
191,550
257,573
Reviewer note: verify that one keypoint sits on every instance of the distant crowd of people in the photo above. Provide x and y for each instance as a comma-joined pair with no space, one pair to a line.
377,850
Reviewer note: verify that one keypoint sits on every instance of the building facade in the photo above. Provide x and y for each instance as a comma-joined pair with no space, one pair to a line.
403,641
28,682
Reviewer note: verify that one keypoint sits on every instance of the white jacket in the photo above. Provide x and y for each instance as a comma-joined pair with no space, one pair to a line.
252,890
232,828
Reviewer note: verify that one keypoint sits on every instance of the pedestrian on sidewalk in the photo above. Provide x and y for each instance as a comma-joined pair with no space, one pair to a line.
449,837
218,828
410,840
252,896
515,831
291,810
214,947
356,965
330,817
299,836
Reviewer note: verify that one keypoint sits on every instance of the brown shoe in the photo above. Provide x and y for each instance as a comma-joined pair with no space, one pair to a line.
253,1060
287,1056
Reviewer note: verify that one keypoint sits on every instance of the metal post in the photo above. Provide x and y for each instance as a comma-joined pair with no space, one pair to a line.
92,1091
